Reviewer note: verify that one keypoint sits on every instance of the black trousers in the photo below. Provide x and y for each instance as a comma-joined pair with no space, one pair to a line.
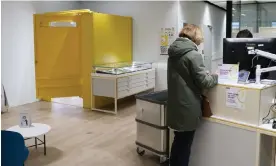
181,148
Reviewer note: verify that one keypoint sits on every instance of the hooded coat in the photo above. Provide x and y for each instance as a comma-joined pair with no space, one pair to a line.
187,78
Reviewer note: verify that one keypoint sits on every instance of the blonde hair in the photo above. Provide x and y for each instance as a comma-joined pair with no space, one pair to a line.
192,32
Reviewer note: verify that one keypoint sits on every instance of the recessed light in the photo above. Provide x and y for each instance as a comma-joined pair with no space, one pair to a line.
233,9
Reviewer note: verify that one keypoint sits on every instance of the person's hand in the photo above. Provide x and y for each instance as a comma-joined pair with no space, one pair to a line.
217,72
215,76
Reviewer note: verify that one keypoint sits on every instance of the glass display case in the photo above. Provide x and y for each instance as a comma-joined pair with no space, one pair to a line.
121,68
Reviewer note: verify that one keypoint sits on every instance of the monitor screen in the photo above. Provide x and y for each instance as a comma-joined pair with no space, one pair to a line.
235,51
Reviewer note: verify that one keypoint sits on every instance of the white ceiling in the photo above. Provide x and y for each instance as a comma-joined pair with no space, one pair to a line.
220,3
249,12
223,3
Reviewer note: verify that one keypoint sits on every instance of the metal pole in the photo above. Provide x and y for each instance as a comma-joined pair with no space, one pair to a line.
35,143
44,145
229,6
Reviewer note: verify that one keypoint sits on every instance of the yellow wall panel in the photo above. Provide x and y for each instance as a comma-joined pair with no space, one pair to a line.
87,48
113,38
65,55
112,43
57,56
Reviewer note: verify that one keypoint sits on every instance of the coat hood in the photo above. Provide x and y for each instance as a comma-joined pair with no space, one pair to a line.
181,46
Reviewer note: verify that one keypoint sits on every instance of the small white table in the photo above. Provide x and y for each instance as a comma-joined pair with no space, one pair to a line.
37,129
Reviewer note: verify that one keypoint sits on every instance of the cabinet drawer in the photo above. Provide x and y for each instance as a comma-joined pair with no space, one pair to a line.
122,88
138,76
137,84
122,79
138,89
123,93
150,77
150,85
143,79
150,80
150,112
121,84
152,137
150,74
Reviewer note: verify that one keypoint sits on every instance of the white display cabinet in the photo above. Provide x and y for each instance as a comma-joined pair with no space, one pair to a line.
121,80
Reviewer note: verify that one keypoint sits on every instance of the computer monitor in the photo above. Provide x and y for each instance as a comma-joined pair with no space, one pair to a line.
235,51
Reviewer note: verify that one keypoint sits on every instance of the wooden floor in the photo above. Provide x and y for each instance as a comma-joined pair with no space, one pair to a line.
81,137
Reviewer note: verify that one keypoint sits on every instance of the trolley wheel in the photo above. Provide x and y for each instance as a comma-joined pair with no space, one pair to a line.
163,160
140,152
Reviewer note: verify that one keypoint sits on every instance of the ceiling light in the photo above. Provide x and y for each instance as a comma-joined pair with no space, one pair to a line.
233,15
243,14
233,9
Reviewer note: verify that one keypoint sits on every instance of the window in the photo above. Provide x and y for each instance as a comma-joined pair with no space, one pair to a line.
259,18
235,25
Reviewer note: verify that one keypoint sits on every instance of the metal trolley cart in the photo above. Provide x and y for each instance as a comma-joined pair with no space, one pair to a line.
152,129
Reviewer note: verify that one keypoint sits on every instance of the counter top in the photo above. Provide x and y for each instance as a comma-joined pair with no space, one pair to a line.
267,129
263,129
231,122
249,85
120,75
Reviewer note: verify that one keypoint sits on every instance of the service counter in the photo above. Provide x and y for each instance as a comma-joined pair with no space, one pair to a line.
235,135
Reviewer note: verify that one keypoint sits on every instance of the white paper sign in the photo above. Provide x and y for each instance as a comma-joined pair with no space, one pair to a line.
235,97
167,38
25,120
228,72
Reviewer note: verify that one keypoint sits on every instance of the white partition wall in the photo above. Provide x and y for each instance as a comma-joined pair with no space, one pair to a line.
207,46
146,33
221,145
17,54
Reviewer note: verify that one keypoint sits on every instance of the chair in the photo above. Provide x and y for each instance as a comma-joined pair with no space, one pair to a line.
13,149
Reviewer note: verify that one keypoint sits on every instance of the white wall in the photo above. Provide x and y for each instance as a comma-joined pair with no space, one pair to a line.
208,15
53,6
148,19
17,53
201,13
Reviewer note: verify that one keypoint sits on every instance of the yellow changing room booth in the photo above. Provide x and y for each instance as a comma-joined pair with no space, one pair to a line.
68,44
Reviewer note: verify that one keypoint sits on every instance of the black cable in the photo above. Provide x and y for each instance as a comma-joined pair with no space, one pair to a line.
252,62
265,118
267,121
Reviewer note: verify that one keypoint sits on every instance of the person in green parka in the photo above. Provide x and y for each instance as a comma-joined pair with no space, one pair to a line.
187,78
